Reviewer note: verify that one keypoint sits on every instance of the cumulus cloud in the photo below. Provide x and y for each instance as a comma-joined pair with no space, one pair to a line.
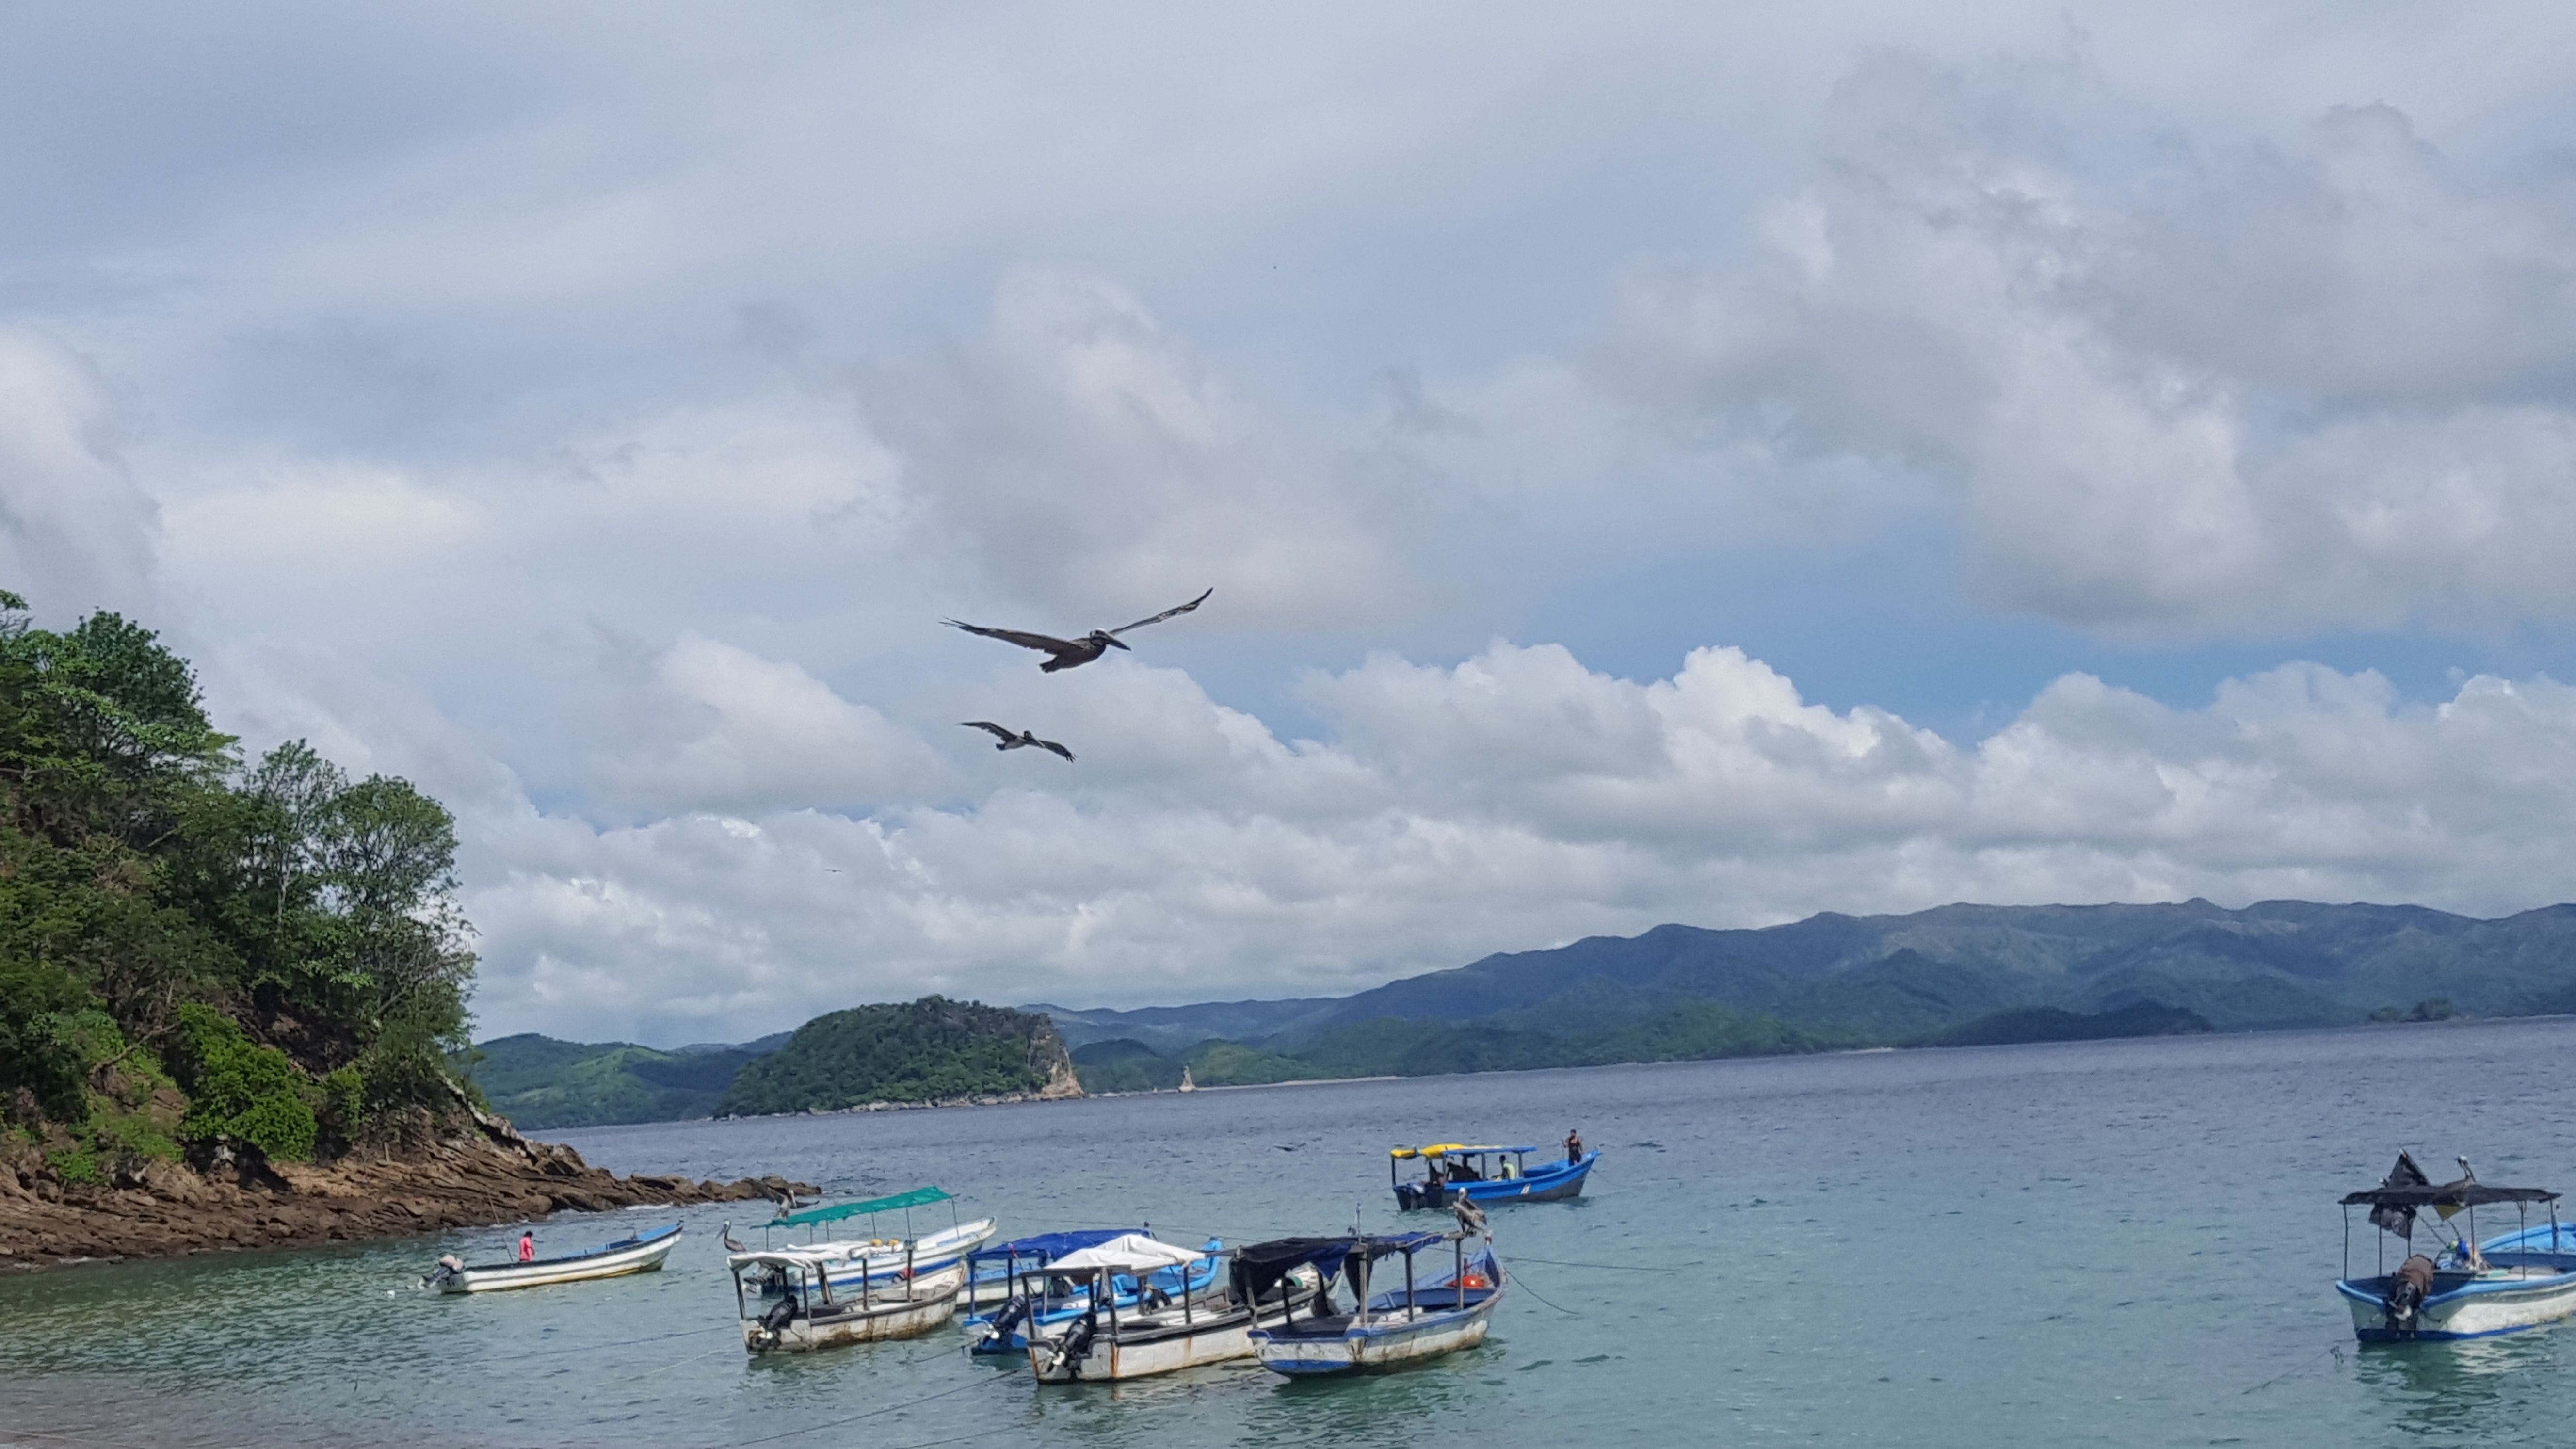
1514,799
2177,386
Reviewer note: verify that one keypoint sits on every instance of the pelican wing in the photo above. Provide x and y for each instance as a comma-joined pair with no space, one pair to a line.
1166,614
985,724
1021,637
1059,749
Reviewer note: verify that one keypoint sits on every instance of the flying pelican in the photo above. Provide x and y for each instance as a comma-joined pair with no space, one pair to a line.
1067,653
1021,741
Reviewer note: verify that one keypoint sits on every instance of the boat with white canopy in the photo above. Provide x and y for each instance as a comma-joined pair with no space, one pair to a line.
1108,1342
1439,1307
2462,1289
1011,1292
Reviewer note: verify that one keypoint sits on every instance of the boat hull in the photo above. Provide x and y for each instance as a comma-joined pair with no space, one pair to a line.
841,1323
1553,1184
2480,1308
1142,1348
613,1262
882,1265
1374,1348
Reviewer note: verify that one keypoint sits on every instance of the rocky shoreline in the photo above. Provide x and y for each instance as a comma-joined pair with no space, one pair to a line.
482,1173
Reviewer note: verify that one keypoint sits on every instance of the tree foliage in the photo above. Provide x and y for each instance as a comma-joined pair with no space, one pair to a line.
917,1051
286,936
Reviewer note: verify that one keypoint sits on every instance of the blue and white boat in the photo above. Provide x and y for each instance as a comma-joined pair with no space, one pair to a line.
850,1263
1483,1174
641,1253
1432,1313
1033,1300
2462,1289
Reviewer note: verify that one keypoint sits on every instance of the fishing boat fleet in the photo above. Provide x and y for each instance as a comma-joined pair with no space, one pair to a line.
1101,1305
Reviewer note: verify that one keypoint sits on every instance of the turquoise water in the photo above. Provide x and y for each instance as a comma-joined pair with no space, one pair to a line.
2124,1243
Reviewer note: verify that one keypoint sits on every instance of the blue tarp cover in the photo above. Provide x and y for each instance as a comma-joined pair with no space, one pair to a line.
1045,1246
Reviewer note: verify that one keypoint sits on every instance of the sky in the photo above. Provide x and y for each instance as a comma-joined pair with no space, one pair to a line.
1654,463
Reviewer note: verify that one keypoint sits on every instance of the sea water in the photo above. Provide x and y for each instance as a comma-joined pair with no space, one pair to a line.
2118,1243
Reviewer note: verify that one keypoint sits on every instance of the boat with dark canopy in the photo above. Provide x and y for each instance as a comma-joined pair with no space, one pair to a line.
1482,1174
1431,1314
2461,1289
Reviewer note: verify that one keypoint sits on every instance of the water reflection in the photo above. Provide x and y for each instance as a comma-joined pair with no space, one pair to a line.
2479,1388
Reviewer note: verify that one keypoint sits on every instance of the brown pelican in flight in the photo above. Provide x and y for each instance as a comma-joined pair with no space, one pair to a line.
1021,741
1067,653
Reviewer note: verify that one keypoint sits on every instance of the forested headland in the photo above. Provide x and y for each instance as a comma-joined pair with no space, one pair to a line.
221,976
201,950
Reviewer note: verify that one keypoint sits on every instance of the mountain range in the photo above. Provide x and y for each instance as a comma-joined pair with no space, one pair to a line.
1954,975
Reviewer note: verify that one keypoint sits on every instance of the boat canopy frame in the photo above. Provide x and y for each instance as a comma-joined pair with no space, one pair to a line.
903,1202
2405,1190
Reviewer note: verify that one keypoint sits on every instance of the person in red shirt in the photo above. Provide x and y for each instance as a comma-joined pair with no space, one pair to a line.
528,1246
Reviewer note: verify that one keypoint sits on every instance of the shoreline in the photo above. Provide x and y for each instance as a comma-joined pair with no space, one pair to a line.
478,1177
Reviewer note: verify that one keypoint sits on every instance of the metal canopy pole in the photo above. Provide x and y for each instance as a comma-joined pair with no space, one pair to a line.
1412,1310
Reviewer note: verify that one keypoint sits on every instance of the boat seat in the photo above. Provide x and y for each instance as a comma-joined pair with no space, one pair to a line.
1303,1327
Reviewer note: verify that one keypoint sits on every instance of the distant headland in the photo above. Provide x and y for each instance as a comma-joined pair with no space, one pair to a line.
1961,975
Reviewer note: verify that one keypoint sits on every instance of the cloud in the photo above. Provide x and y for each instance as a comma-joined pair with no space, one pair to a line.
76,530
2177,388
1514,799
1088,460
734,731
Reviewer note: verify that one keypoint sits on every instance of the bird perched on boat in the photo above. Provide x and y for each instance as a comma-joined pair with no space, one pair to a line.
1025,739
1471,1218
1069,653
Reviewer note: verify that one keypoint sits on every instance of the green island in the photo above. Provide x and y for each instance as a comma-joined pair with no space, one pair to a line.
199,951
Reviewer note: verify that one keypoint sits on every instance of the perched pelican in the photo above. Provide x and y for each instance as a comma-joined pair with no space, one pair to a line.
730,1245
1025,739
1067,653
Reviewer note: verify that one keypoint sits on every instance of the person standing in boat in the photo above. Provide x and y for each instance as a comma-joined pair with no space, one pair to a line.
1573,1144
528,1246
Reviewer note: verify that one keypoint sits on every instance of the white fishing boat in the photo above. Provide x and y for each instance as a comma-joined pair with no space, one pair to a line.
1428,1316
2462,1289
787,1303
642,1253
1108,1343
879,1259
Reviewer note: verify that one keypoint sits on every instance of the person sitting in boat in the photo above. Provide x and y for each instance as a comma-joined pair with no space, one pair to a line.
1434,1178
1507,1169
1573,1145
1462,1171
528,1246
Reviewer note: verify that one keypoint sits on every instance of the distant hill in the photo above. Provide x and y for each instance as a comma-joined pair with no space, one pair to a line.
929,1050
1949,975
539,1082
1956,975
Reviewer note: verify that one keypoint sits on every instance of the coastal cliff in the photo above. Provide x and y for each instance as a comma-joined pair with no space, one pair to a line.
479,1173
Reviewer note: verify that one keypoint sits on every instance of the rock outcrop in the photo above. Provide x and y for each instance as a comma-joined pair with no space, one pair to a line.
478,1172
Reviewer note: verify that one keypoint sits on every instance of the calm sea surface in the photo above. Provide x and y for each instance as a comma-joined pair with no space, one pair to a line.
2125,1243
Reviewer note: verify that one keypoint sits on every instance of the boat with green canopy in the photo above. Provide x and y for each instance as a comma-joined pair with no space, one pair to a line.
883,1256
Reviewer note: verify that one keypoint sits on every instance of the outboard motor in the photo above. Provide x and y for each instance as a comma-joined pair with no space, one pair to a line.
450,1268
1013,1314
2407,1289
1077,1343
774,1322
